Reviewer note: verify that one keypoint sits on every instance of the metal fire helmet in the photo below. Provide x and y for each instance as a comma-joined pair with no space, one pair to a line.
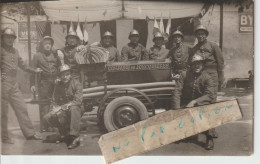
177,32
133,32
9,31
196,58
201,27
108,33
48,37
72,33
158,35
64,67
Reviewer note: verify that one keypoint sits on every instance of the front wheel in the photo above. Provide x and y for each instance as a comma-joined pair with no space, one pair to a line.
124,111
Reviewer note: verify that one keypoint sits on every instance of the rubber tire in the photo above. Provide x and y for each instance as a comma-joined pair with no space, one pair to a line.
138,105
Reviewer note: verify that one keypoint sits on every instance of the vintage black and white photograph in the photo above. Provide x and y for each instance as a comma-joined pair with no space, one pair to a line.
76,75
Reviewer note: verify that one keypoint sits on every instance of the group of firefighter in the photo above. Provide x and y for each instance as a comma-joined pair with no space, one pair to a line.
197,71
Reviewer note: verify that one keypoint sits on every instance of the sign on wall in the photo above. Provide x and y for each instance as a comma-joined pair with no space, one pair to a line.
23,32
246,23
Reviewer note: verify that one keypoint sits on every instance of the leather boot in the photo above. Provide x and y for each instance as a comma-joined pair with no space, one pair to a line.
209,143
75,143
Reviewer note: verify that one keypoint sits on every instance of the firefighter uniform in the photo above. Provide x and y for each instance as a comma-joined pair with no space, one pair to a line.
11,94
158,51
201,88
114,55
49,64
69,93
69,55
214,61
179,56
69,59
134,52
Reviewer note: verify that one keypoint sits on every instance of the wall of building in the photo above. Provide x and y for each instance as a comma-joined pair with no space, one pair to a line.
237,47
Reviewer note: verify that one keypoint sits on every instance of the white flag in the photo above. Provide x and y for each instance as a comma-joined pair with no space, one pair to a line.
161,26
71,29
85,32
167,31
155,27
79,32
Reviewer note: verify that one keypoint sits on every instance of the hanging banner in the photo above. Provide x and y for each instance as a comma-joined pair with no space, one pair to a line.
23,32
246,23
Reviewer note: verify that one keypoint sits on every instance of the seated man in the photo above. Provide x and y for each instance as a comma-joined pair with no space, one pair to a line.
158,51
199,89
107,43
134,51
67,107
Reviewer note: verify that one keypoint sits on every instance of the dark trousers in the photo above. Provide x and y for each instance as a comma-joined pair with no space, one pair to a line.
68,122
177,93
46,87
214,75
13,96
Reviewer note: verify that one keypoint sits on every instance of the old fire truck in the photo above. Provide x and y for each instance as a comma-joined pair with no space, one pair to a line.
126,92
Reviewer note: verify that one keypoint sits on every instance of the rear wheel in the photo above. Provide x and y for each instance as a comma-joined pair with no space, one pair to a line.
124,111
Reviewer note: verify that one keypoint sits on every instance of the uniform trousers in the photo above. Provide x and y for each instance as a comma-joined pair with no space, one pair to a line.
68,122
13,96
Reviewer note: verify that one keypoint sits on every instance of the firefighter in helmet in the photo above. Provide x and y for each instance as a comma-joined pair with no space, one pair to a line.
214,61
199,89
67,107
134,51
158,51
47,60
179,55
107,43
67,54
11,94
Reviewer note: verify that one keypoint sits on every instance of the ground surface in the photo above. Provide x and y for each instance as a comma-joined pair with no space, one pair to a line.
235,138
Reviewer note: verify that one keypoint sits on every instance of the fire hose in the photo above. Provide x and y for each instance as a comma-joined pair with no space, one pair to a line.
143,85
90,95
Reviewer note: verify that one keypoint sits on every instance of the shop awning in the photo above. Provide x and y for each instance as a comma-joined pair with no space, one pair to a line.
101,10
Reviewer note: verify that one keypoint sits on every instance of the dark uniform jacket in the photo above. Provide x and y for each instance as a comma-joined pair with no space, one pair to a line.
156,52
69,59
212,55
69,93
114,55
199,87
132,52
180,56
10,61
48,63
69,56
